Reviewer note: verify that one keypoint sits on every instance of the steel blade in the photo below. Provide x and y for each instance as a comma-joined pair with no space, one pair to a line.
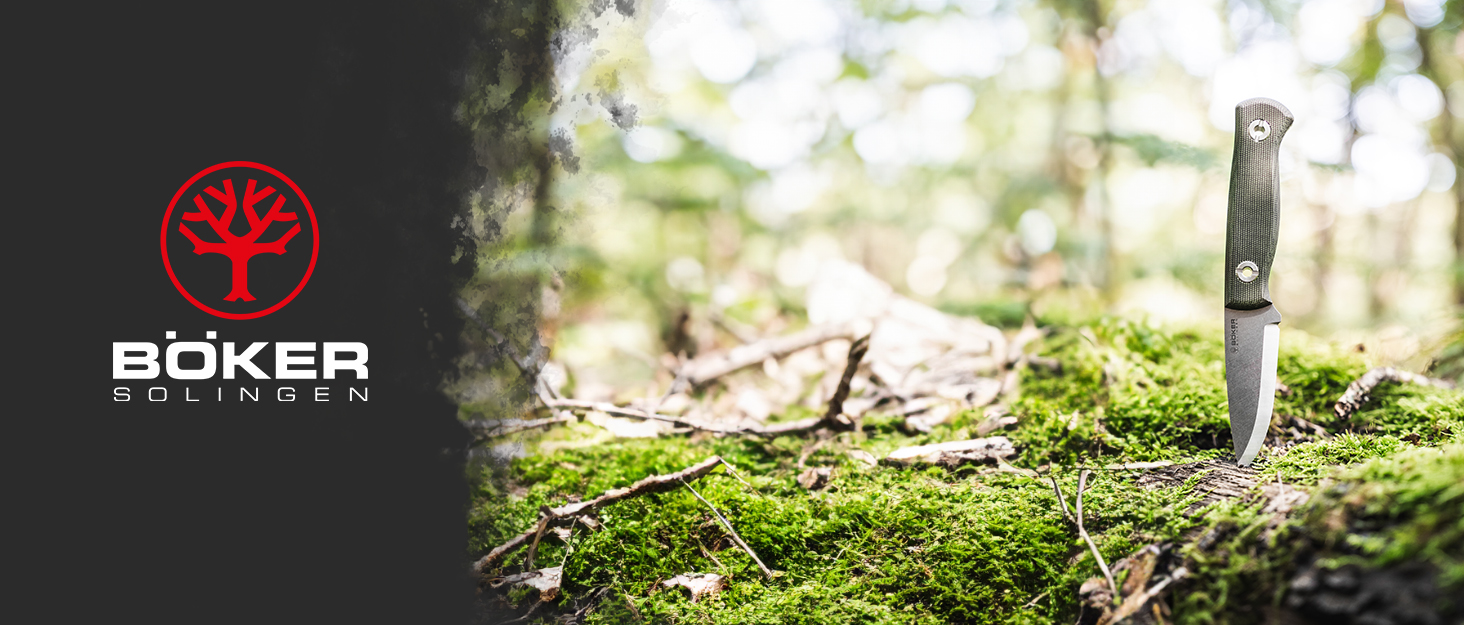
1251,341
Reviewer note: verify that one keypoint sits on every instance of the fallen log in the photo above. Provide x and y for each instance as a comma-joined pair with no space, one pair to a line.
1222,480
1154,569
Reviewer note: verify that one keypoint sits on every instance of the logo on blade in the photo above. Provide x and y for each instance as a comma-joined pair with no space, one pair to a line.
240,240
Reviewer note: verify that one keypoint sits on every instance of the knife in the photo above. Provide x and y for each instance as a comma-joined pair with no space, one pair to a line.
1252,323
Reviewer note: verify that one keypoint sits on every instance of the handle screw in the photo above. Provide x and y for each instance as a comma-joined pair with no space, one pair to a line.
1247,272
1260,129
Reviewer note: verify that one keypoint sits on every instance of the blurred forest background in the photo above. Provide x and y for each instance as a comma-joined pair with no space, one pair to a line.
670,174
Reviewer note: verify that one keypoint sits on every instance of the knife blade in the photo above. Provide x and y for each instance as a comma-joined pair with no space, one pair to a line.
1252,323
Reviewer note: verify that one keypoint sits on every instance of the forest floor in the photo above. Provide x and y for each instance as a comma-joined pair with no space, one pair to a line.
811,513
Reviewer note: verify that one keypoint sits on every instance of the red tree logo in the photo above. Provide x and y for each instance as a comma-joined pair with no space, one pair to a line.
219,237
239,249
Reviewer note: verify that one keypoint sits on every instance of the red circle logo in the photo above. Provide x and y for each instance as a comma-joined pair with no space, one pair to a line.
237,263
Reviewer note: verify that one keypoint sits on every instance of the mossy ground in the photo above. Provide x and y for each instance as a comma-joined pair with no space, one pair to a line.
886,545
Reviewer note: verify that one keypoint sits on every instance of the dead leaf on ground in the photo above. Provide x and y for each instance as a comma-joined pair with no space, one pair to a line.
815,478
954,453
700,584
863,456
624,427
546,581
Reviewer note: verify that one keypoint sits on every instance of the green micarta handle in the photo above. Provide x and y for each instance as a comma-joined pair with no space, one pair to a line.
1255,202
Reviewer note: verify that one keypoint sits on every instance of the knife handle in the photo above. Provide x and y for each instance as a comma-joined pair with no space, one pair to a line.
1255,202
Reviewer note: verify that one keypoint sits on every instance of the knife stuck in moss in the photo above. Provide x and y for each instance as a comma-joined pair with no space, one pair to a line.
1252,323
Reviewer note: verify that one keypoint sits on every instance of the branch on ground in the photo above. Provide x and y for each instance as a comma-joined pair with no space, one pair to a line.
1078,514
483,430
568,513
1360,391
704,369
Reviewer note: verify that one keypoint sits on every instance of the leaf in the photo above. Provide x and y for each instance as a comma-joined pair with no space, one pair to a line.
700,584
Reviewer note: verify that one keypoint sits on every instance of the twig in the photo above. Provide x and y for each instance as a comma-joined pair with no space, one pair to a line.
857,349
1138,466
483,432
569,543
1131,605
612,409
1066,514
703,369
677,384
590,601
538,535
728,525
568,512
709,555
734,473
1034,600
772,429
1102,566
525,617
1360,391
630,603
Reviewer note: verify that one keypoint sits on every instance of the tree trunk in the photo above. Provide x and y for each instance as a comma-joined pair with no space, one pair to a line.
240,288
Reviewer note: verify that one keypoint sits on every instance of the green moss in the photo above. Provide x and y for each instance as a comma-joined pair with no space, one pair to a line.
885,545
1407,409
1149,394
1309,462
1407,506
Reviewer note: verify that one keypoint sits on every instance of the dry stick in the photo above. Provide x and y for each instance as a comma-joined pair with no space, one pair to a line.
569,544
1066,514
1103,566
630,603
1360,390
728,525
1138,599
700,371
857,350
569,512
591,599
482,432
734,473
525,617
706,368
608,408
538,535
1034,600
772,429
